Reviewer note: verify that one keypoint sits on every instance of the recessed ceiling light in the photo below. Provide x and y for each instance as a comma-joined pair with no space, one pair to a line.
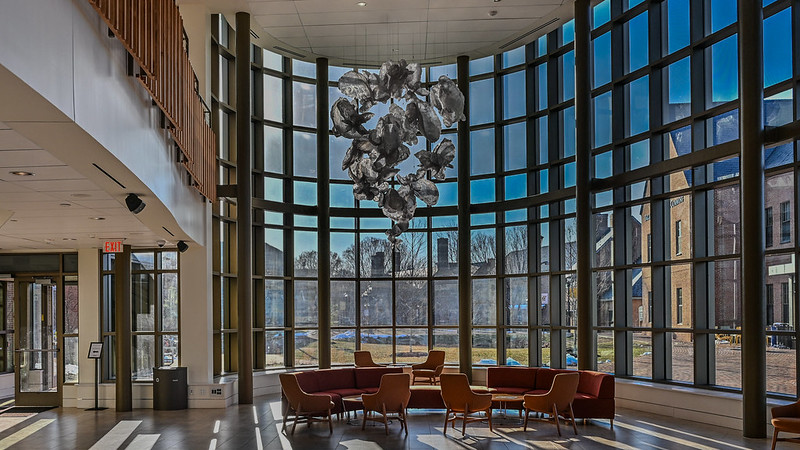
492,13
22,173
497,1
68,239
97,218
65,204
361,4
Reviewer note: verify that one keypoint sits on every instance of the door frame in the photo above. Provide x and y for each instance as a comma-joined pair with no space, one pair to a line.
39,398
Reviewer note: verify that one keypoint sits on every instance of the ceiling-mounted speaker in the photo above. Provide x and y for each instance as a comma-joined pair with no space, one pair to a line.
134,203
182,246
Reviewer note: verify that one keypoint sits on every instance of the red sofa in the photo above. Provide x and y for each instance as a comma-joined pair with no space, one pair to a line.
594,400
348,381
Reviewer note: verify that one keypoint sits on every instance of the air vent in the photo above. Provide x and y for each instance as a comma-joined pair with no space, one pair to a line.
109,176
519,38
253,33
291,52
360,65
170,232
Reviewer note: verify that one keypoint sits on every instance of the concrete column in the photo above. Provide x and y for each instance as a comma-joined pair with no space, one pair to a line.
89,320
244,209
751,120
464,267
122,324
196,312
583,221
323,221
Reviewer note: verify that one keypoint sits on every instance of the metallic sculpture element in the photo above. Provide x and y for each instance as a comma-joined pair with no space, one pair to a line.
372,158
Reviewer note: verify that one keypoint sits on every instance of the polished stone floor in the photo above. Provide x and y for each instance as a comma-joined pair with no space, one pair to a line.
259,426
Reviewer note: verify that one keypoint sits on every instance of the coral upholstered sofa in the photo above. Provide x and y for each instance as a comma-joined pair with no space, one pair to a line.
594,399
348,381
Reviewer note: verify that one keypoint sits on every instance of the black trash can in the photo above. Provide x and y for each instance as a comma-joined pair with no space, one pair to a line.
170,388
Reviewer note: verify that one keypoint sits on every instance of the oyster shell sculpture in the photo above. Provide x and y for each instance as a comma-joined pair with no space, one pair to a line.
372,158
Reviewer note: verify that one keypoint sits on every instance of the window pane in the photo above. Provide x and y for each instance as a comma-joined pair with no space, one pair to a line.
378,342
682,356
306,348
484,301
343,255
638,93
143,299
481,146
481,66
513,57
305,303
481,101
482,191
411,256
514,146
274,349
273,98
567,118
724,74
304,104
484,347
445,302
516,301
169,350
274,306
541,82
169,302
514,94
144,357
412,302
517,347
568,76
679,91
343,303
723,13
70,308
305,247
602,120
677,25
376,303
70,359
602,59
778,47
637,31
305,154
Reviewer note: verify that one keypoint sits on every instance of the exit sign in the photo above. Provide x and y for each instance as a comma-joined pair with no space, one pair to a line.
112,246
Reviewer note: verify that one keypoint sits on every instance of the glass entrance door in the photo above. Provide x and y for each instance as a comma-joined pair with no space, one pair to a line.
36,352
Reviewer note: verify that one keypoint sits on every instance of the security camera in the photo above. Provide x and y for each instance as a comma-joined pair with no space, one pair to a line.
161,243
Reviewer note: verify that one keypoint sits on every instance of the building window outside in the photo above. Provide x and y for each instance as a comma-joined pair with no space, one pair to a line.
786,223
649,247
785,303
768,227
679,304
678,236
770,305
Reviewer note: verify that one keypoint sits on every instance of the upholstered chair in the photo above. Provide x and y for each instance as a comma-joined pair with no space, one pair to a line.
787,419
306,408
363,358
392,398
462,402
431,369
557,401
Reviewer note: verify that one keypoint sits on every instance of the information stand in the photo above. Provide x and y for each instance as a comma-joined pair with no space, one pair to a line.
95,352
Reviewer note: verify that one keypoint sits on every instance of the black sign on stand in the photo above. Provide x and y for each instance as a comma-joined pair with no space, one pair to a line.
95,352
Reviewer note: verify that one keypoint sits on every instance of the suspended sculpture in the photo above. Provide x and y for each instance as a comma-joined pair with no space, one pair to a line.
372,158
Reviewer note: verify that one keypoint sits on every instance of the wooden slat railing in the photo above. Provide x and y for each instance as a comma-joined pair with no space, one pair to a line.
152,32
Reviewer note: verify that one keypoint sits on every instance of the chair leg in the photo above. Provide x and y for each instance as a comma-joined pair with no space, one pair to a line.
774,438
296,417
490,418
385,419
611,421
446,420
572,416
330,422
285,418
525,427
464,423
555,417
364,422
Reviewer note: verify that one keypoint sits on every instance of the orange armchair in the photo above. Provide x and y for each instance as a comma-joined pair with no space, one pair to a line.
306,408
557,401
787,419
462,402
431,369
363,358
392,397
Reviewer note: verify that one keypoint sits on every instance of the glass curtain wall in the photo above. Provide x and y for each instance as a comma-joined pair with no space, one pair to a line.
665,196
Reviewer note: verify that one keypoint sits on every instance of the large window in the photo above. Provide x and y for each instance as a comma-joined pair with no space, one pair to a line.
665,220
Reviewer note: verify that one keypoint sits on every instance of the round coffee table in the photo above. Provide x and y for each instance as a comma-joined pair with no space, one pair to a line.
352,403
504,400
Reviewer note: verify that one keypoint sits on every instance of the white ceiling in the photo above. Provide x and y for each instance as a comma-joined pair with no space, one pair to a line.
52,209
417,30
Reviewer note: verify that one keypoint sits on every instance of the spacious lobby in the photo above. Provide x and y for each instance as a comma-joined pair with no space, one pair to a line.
422,224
